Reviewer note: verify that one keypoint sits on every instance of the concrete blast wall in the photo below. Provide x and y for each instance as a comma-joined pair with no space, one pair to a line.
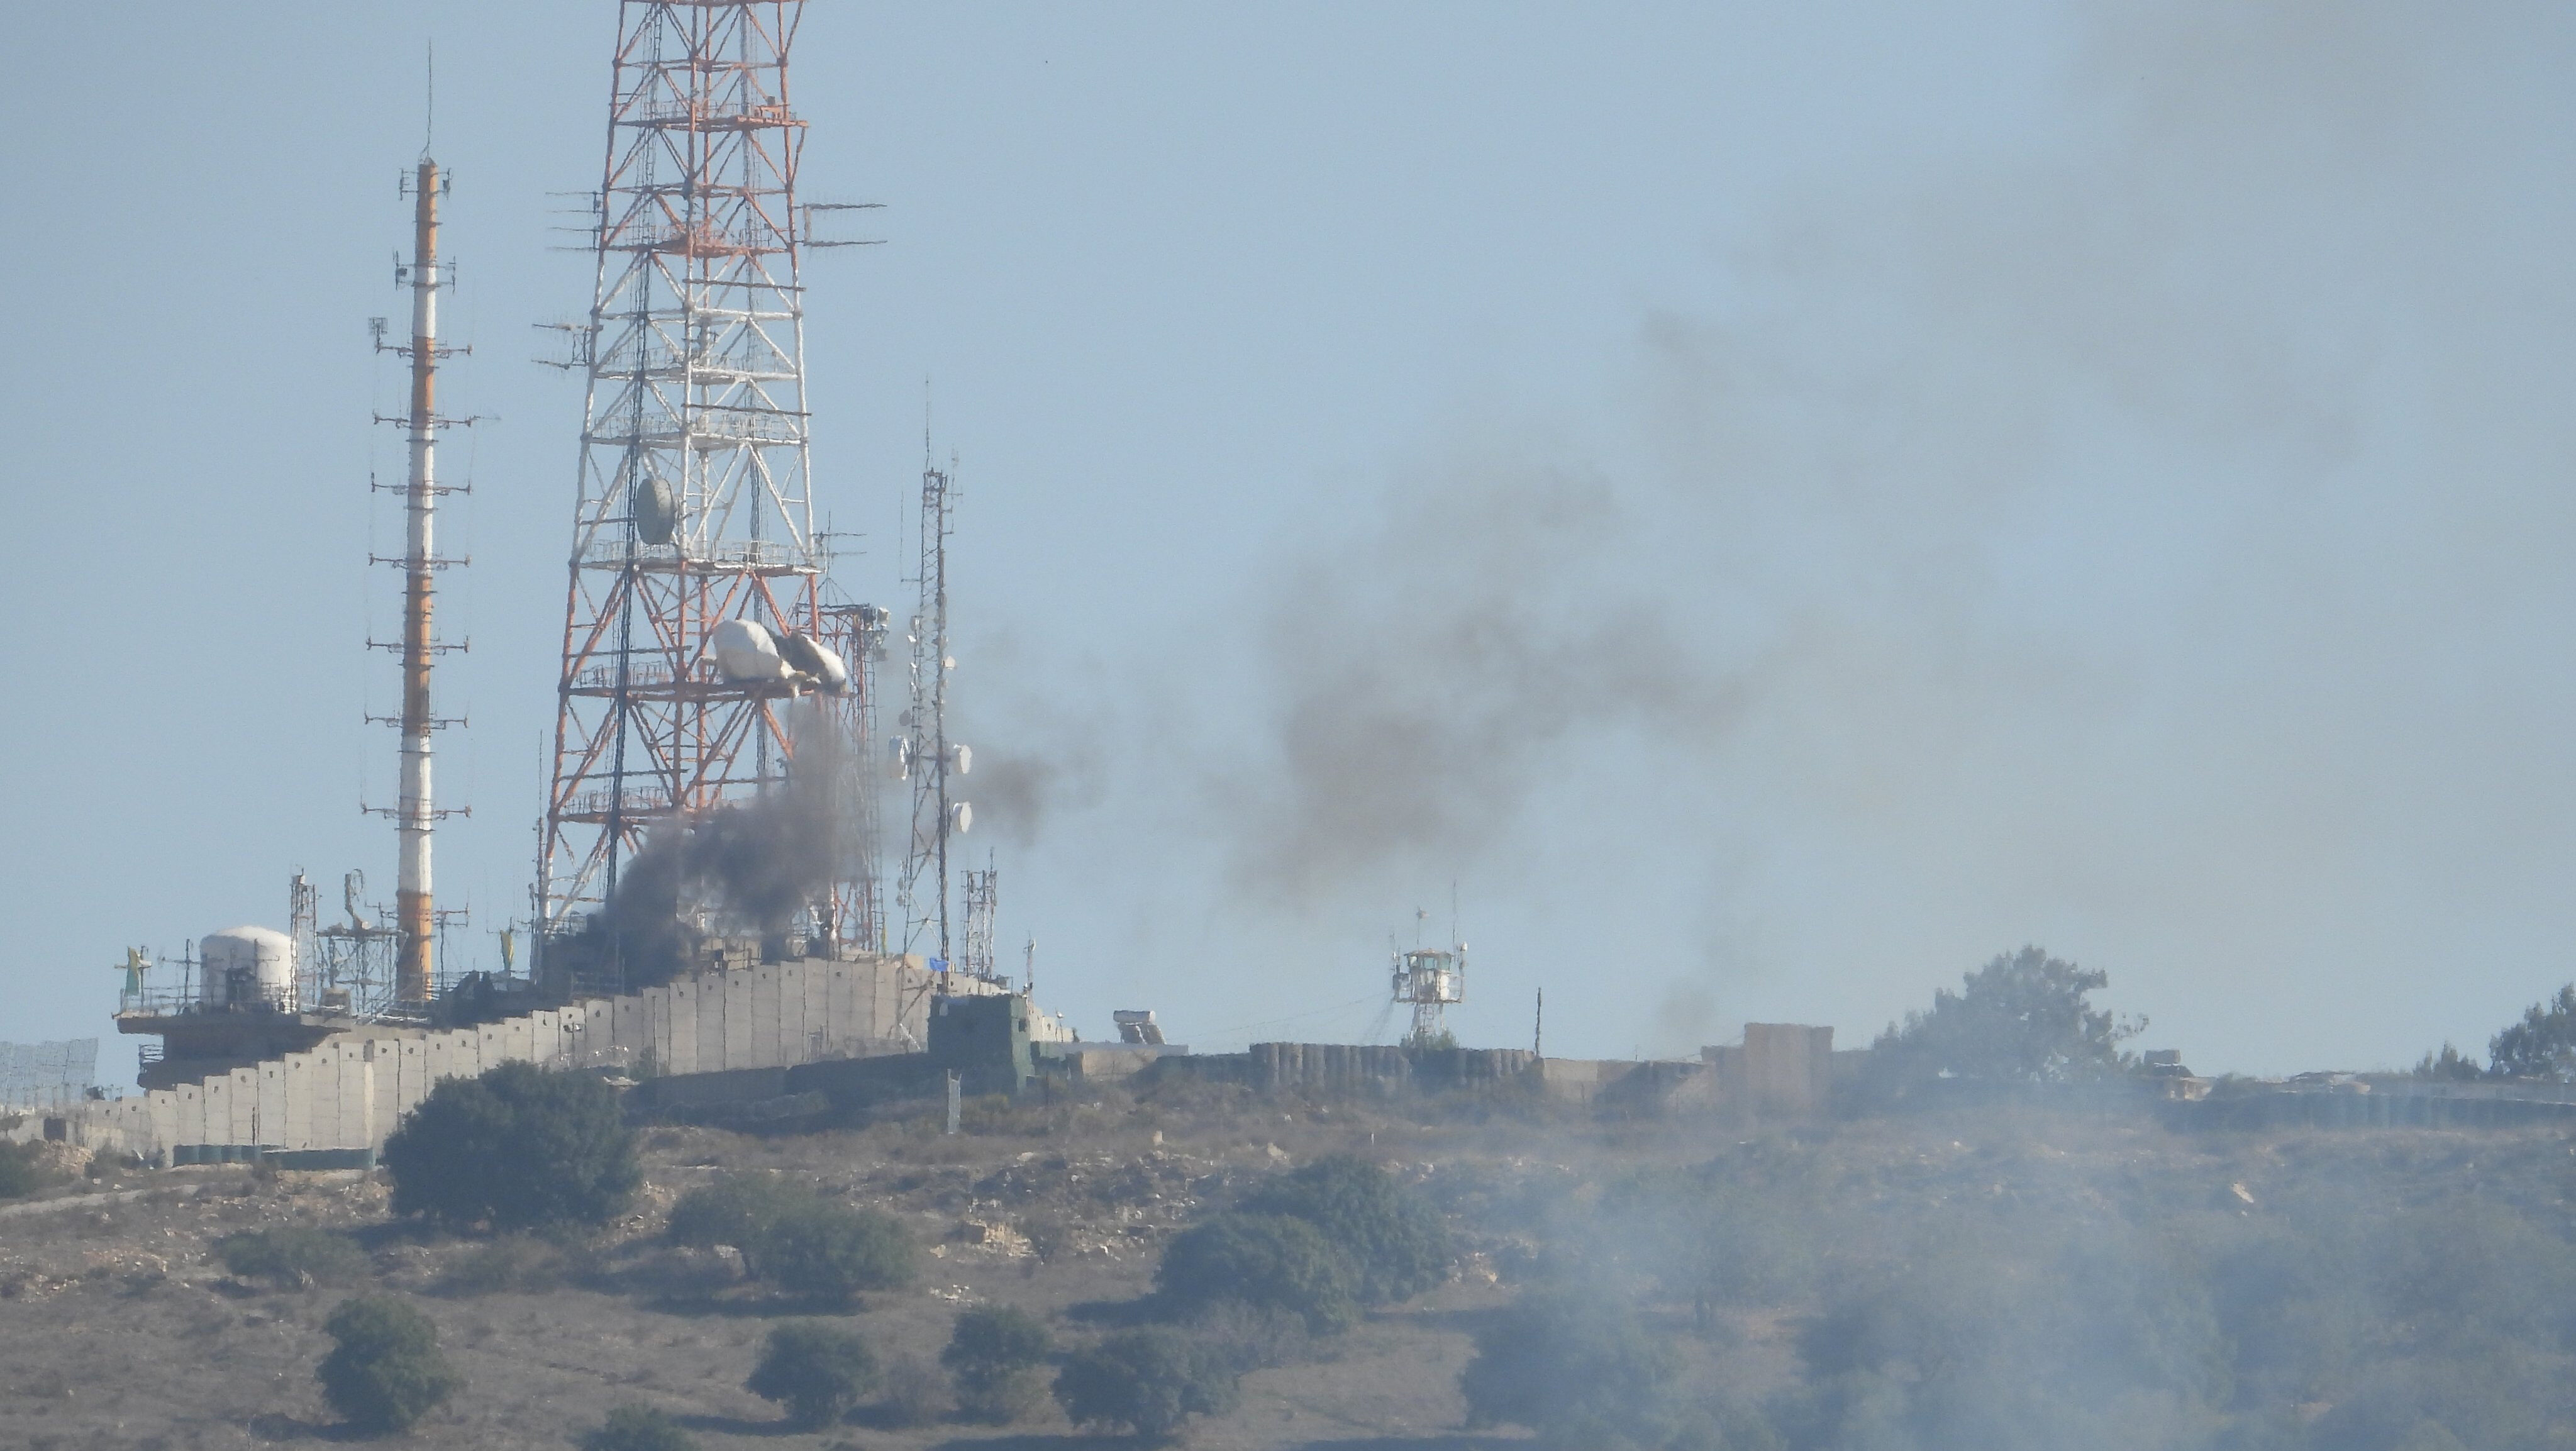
1782,1069
350,1092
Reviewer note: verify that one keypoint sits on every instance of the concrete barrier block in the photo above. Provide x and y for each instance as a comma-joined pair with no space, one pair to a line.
299,1086
767,1028
735,994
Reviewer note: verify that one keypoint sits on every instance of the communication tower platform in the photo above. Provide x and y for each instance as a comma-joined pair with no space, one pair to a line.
1430,980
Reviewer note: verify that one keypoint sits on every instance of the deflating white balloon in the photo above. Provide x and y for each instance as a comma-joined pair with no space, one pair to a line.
815,661
745,651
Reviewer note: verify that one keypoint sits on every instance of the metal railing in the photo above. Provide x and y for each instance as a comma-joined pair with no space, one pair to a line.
730,556
634,110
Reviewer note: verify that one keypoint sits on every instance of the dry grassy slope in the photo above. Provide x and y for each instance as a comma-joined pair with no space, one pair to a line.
117,1329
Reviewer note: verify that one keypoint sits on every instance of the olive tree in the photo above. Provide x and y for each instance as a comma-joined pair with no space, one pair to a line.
817,1371
518,1148
993,1355
384,1371
1395,1239
2024,1018
1579,1369
1149,1381
1269,1261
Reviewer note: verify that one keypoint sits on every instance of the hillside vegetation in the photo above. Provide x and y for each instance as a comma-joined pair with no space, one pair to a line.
1931,1280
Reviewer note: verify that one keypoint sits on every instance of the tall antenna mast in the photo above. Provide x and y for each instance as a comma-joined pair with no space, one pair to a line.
415,810
927,756
694,520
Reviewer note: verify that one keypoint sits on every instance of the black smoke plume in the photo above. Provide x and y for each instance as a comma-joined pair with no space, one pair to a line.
747,869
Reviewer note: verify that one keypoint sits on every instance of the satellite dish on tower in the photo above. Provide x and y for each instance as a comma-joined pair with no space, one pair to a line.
656,513
961,817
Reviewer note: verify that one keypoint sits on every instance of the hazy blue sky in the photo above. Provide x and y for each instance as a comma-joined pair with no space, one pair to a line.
1778,503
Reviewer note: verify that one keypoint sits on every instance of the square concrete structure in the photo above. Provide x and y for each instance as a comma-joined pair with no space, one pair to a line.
1784,1070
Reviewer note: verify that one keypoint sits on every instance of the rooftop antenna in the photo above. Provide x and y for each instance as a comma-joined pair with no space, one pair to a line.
978,955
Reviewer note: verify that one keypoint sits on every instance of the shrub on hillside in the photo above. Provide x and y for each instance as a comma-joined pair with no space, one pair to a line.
292,1258
1264,1260
817,1371
2009,1341
2468,1267
913,1393
1147,1381
638,1428
518,1148
384,1371
829,1251
521,1263
736,1210
1397,1242
1749,1228
1579,1369
22,1170
993,1356
1251,1337
795,1238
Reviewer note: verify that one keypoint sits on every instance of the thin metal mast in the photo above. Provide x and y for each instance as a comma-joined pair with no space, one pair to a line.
928,756
857,632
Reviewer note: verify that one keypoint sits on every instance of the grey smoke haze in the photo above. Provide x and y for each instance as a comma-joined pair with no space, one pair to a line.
1014,791
2144,542
1035,753
2139,532
1426,673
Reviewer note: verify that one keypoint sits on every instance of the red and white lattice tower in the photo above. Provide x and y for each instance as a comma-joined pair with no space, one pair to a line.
694,506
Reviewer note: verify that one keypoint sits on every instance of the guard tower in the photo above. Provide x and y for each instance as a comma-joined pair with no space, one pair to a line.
1430,980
